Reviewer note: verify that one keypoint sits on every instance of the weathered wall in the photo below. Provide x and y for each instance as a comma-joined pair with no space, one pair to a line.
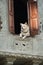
8,42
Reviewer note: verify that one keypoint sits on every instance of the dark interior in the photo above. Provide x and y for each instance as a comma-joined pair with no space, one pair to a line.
20,14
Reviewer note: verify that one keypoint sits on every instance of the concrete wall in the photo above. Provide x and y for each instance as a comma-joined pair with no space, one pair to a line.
8,42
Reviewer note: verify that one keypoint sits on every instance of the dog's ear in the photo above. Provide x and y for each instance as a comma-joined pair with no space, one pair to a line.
26,23
21,24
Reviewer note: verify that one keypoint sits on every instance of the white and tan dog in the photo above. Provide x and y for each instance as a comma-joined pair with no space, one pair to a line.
24,30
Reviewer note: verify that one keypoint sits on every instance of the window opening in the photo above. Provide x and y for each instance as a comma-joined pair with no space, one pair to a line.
20,14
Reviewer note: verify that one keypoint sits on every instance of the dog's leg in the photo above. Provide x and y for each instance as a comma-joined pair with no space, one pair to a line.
27,34
24,37
20,34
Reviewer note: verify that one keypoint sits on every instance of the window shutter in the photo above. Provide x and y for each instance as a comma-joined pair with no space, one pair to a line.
11,16
34,25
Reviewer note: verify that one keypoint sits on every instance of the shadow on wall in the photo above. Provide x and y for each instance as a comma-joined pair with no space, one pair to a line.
22,61
41,63
3,60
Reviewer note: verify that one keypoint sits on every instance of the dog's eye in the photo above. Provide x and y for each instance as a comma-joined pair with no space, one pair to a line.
24,26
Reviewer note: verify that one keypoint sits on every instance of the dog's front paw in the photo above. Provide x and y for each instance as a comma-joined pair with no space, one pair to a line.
24,37
20,35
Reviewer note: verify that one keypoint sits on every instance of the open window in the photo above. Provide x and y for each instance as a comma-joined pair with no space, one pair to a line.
18,14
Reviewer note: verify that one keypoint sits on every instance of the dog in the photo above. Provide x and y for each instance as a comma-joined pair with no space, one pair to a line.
24,30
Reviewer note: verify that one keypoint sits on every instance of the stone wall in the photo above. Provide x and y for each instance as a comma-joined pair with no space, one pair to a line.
12,43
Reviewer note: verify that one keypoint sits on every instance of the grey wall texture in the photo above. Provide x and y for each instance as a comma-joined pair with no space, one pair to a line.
33,46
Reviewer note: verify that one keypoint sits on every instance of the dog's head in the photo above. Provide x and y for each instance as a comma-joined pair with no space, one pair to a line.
24,26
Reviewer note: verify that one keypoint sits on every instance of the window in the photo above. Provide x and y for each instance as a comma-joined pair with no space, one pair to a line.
18,14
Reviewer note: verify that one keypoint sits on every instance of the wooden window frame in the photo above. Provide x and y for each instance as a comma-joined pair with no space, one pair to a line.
11,16
33,14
